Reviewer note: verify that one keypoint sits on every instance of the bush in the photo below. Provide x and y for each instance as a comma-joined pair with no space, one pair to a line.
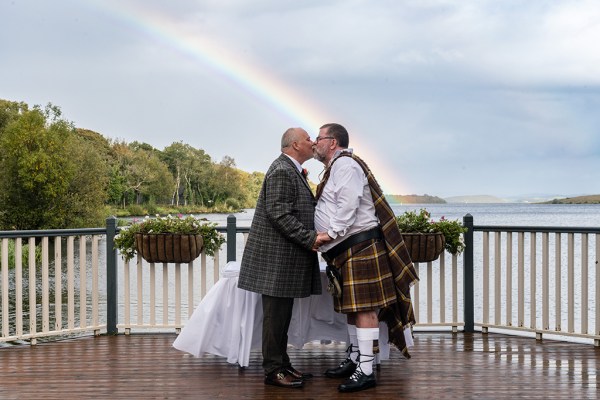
151,209
232,203
136,210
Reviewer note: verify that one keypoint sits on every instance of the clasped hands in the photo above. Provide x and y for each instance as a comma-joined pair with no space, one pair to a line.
322,238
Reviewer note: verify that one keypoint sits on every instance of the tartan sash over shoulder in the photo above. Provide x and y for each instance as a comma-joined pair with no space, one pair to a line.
399,315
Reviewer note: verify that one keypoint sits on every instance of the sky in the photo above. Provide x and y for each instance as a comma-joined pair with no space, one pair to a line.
446,98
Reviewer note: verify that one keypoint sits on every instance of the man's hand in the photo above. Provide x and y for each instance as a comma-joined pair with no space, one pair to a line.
322,238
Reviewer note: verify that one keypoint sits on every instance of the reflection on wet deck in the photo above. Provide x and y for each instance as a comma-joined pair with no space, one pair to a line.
443,365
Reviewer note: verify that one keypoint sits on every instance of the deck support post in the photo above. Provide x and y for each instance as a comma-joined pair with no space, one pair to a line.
468,279
231,232
111,277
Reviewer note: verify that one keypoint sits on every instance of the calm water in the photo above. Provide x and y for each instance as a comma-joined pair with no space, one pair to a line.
587,215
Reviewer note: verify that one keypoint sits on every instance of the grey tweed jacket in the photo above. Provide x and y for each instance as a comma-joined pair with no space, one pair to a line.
278,260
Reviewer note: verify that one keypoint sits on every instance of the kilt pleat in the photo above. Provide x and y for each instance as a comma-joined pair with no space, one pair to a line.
367,280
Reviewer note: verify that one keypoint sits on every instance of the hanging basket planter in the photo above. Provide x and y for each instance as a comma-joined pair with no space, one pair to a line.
424,247
168,247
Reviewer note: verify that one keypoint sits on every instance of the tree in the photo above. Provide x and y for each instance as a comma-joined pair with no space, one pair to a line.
68,174
252,185
231,185
87,191
49,178
9,110
189,167
146,176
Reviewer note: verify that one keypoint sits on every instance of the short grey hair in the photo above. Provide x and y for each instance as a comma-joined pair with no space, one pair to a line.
289,137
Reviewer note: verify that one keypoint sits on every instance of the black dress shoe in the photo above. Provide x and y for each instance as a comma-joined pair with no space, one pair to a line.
297,374
282,378
358,381
345,369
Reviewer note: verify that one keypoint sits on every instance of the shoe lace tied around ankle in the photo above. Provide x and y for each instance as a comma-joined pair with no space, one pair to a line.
352,349
359,372
349,350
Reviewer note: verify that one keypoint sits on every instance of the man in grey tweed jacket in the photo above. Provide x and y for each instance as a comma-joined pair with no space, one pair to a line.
280,259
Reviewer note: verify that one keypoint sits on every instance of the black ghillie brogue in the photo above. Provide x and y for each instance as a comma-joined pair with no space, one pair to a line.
344,370
346,367
358,381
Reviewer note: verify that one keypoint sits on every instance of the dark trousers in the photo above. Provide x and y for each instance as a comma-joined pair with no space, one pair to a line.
277,314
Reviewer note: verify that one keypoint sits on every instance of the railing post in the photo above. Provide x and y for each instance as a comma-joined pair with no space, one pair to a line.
468,280
111,276
231,232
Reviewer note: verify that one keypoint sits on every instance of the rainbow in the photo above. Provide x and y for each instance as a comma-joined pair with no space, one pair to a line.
254,80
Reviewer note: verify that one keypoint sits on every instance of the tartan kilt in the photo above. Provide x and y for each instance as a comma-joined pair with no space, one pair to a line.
367,280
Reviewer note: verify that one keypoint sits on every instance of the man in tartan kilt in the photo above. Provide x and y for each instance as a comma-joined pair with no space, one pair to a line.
368,254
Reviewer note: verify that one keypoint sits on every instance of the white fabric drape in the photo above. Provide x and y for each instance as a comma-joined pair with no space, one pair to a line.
228,322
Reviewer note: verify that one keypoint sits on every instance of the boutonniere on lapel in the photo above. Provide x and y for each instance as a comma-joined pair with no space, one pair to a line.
305,173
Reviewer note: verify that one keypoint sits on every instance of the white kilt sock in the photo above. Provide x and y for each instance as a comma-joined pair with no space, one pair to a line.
365,345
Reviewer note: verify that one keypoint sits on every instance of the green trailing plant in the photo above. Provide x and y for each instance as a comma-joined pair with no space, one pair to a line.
421,222
190,225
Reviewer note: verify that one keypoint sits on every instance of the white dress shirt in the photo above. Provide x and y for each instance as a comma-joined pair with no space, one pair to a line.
296,163
346,205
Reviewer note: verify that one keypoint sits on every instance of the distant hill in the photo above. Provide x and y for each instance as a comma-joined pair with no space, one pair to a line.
414,199
590,199
534,198
471,199
474,199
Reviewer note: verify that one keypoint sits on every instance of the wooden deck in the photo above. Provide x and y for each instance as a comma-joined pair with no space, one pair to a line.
443,365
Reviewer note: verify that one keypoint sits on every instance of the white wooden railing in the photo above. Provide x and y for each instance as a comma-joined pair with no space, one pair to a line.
440,306
530,280
32,303
541,280
158,296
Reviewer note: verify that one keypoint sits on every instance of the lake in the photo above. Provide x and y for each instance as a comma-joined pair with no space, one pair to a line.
512,214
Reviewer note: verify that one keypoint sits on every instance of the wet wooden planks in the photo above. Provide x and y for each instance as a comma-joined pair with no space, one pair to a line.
443,366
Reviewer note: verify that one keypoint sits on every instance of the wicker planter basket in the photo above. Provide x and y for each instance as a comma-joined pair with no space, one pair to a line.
168,247
424,247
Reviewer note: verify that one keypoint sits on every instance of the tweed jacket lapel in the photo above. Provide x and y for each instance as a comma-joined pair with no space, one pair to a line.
304,180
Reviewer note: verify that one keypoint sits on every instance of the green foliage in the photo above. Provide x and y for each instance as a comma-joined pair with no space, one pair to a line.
24,254
53,175
421,222
213,240
49,178
86,193
410,222
190,168
152,208
116,186
136,210
9,110
232,203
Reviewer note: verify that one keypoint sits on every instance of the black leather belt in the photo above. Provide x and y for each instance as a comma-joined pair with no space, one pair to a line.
357,238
